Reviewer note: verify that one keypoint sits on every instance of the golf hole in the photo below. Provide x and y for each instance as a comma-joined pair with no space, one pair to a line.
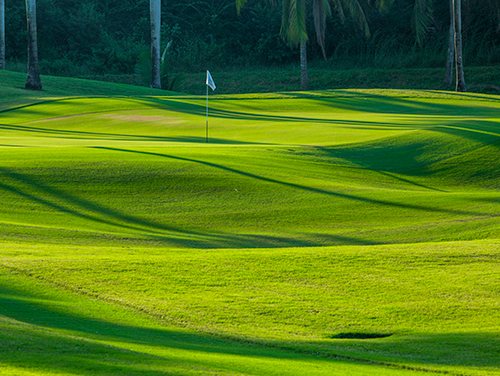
360,335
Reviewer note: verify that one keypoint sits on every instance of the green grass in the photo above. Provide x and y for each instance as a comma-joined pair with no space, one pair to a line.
311,221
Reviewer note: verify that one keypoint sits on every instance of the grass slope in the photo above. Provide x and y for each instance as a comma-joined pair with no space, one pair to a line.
310,220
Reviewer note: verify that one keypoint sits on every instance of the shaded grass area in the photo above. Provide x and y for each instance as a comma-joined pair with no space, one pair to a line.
185,205
304,300
61,333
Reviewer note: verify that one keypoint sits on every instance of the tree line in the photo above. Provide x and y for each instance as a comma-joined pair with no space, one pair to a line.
111,35
294,26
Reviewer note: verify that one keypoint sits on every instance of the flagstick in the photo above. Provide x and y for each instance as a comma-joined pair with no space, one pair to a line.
206,124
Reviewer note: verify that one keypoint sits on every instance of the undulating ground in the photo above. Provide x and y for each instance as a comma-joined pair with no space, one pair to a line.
337,232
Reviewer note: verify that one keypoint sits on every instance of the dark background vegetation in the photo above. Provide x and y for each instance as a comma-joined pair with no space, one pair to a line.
109,39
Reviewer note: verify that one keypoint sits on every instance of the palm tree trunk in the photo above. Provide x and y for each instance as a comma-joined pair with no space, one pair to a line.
2,34
304,76
450,60
460,77
155,14
33,81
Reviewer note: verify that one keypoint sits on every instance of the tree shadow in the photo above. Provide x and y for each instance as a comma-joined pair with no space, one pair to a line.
415,156
103,136
390,104
32,108
335,239
71,204
481,131
347,196
466,349
176,105
79,342
33,190
493,200
336,100
488,97
41,332
485,131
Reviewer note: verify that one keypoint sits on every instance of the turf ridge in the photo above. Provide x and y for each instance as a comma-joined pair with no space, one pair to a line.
309,217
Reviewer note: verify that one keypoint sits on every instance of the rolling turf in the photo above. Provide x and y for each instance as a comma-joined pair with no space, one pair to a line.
333,232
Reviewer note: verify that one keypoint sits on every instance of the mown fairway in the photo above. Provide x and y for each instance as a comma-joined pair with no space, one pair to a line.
336,232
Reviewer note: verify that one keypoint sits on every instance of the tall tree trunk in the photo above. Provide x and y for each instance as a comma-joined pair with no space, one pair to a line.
155,14
450,59
459,66
2,34
33,81
304,75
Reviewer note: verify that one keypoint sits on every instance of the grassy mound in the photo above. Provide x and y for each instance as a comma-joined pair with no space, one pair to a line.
346,231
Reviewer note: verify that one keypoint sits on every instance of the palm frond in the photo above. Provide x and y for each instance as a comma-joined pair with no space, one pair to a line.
240,4
422,18
356,12
293,27
384,5
321,10
339,8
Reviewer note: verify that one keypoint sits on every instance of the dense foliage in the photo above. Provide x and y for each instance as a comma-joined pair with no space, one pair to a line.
112,37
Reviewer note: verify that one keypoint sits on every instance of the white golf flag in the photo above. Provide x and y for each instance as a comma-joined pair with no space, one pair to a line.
210,82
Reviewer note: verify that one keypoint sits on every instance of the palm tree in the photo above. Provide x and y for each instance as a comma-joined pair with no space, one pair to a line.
294,29
423,19
304,70
155,21
455,54
457,26
450,59
2,34
294,25
33,81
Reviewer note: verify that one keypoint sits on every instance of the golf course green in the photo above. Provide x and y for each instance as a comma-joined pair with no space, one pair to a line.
339,232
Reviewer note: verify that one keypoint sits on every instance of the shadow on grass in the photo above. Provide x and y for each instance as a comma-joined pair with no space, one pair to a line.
44,333
478,129
347,196
73,205
469,349
414,156
495,99
381,160
174,105
481,131
56,199
31,189
103,136
47,335
390,104
199,110
337,100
